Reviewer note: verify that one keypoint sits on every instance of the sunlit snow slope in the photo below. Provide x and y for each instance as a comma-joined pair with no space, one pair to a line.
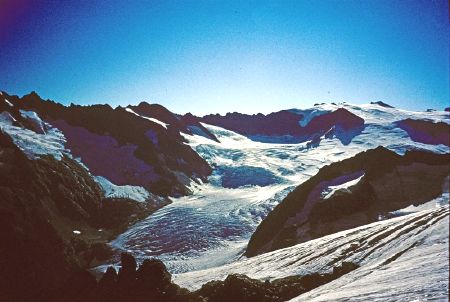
213,226
401,259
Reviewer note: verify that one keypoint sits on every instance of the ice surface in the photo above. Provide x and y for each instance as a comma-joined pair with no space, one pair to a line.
403,258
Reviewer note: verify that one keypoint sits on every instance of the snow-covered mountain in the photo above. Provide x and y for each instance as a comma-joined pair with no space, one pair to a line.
336,183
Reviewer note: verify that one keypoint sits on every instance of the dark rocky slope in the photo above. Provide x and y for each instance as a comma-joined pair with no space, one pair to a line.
426,132
42,203
285,122
387,182
103,137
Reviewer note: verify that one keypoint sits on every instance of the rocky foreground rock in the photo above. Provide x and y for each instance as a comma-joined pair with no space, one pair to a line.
152,282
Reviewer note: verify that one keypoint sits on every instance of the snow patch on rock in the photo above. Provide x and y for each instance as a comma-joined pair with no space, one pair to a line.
6,118
33,144
132,192
147,118
9,103
36,122
330,190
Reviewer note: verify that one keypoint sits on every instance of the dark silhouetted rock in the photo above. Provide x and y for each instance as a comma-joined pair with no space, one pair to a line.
382,104
153,274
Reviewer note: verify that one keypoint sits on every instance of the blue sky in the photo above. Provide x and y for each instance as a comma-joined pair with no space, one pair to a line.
220,56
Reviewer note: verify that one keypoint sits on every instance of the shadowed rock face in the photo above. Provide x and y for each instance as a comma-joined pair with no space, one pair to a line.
278,123
121,146
287,123
351,193
175,123
426,132
42,203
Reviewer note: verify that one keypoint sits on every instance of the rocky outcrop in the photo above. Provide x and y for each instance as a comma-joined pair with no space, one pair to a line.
149,282
426,132
238,287
287,123
351,193
152,282
121,146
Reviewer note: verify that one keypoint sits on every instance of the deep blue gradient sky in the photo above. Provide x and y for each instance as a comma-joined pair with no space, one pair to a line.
220,56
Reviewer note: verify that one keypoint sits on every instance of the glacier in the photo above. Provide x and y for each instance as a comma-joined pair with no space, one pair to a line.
211,228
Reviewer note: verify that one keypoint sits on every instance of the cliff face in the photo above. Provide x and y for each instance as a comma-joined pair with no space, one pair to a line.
122,146
351,193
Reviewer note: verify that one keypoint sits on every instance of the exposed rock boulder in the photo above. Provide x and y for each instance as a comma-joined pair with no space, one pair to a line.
238,287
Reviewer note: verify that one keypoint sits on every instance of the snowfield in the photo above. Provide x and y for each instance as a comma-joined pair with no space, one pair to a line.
402,259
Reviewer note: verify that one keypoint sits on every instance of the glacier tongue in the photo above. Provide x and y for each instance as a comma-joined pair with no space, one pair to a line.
212,227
